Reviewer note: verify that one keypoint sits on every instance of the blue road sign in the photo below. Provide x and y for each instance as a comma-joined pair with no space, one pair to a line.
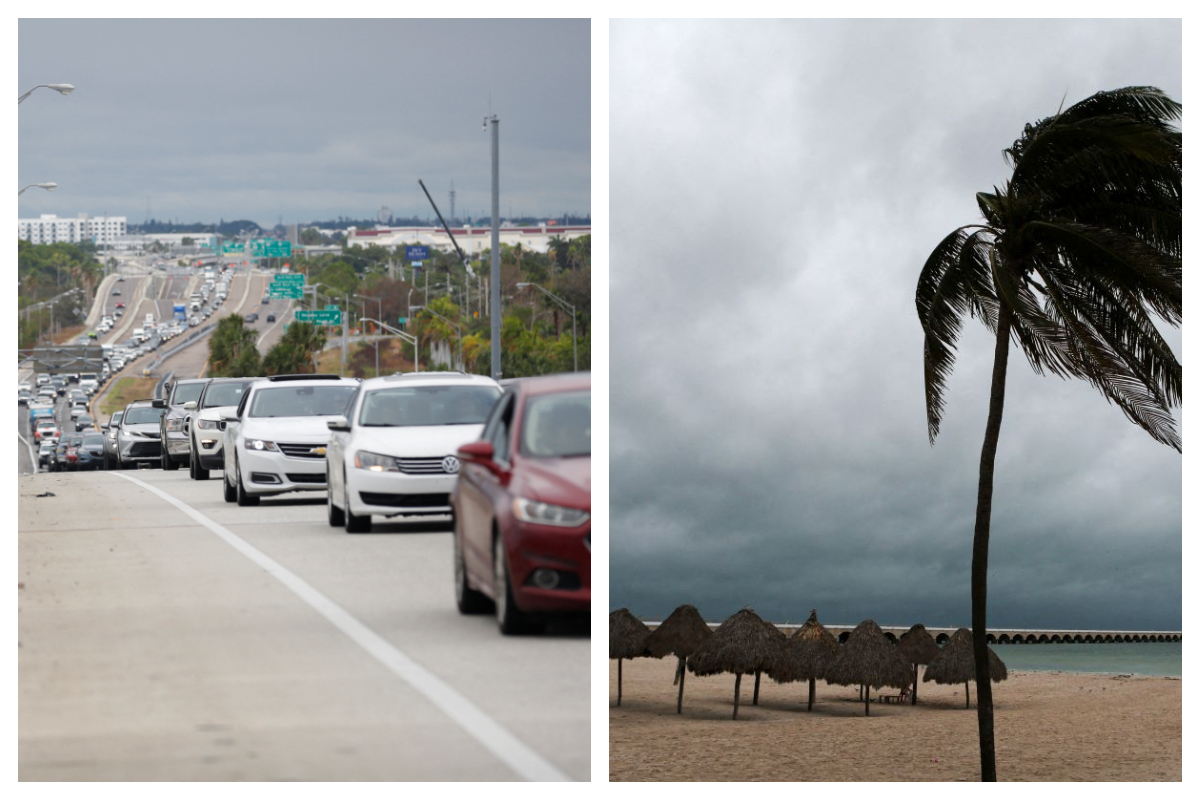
416,252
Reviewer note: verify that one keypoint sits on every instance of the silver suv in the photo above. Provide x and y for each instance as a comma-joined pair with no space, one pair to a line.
176,444
138,435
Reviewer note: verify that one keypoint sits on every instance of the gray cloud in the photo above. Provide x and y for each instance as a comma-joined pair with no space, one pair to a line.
775,189
308,119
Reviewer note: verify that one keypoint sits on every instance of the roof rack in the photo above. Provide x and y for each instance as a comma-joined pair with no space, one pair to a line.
320,377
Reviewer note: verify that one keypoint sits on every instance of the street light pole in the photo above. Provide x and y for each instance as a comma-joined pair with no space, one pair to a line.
495,301
49,187
380,302
61,88
569,307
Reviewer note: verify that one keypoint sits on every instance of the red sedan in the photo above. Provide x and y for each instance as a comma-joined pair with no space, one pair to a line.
72,453
523,503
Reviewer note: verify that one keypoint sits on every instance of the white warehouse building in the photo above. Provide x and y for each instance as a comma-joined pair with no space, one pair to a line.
49,228
473,240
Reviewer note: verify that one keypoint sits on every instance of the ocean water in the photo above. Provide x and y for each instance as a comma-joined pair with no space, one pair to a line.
1125,658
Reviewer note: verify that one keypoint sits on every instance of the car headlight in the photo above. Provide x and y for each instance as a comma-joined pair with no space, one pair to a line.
375,462
528,510
261,444
206,424
174,424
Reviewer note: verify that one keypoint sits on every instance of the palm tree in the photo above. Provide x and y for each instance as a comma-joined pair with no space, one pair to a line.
1078,251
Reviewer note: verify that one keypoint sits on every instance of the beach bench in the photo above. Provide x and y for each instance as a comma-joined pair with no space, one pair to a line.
902,697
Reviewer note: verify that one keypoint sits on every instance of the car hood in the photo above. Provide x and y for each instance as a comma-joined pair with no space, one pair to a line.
141,427
414,442
560,481
287,429
213,412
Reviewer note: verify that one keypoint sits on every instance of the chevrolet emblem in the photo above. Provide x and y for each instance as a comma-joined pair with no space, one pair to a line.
318,451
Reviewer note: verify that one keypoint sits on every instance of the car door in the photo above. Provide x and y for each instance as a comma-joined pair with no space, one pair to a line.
335,452
478,489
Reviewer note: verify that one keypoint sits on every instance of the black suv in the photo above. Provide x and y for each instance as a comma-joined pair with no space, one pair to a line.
176,446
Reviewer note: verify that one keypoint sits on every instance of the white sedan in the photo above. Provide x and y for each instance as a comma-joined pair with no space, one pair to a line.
275,439
394,451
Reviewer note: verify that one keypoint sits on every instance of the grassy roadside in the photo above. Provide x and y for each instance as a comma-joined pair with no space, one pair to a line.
124,392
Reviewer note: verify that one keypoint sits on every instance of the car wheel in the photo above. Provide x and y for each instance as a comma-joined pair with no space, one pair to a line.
198,472
354,523
337,517
230,491
168,463
469,601
244,499
510,618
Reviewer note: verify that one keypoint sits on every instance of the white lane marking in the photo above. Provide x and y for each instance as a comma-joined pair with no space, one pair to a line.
32,456
485,730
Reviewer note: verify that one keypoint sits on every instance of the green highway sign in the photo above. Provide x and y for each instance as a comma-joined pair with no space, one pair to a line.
270,248
233,247
290,277
288,292
322,317
331,307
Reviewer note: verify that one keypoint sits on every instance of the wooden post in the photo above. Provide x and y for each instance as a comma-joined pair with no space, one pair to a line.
757,678
868,693
968,685
812,691
737,691
682,674
618,681
914,697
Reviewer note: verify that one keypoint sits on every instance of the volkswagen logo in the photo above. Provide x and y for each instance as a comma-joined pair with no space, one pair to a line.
450,464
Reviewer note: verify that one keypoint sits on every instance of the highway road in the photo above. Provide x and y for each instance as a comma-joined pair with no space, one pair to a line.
164,634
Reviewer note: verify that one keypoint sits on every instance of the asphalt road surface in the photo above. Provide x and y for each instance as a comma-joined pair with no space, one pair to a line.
164,634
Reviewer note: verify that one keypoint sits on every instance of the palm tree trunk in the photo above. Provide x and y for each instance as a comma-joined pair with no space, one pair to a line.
979,552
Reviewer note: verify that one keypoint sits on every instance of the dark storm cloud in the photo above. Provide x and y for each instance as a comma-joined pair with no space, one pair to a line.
775,190
308,119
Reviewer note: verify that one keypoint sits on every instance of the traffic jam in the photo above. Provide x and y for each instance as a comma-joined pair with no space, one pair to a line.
508,465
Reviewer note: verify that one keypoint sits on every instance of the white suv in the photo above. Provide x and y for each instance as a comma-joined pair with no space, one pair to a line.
394,452
275,439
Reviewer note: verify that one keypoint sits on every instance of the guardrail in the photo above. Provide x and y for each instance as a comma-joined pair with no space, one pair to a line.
158,387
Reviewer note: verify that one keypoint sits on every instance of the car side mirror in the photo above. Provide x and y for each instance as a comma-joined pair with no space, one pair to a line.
104,426
338,424
190,405
158,403
481,453
229,416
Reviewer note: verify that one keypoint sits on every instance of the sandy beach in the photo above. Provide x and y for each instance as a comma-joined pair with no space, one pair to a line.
1050,726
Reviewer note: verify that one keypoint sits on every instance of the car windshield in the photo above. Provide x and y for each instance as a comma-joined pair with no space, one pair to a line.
141,415
409,406
225,394
301,401
93,441
557,425
186,392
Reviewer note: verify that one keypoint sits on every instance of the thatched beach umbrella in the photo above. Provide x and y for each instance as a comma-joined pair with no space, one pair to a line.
868,659
806,656
781,640
679,634
956,663
917,647
742,644
626,639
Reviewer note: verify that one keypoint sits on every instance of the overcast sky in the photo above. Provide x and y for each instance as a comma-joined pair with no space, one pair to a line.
303,119
775,190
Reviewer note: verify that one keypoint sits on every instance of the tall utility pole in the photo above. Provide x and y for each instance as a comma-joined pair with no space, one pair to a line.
495,295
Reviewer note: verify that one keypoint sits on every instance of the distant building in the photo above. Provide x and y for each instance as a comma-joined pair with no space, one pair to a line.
472,240
385,215
49,228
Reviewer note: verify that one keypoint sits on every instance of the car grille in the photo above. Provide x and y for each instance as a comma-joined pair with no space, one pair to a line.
422,466
405,500
299,450
142,449
301,477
